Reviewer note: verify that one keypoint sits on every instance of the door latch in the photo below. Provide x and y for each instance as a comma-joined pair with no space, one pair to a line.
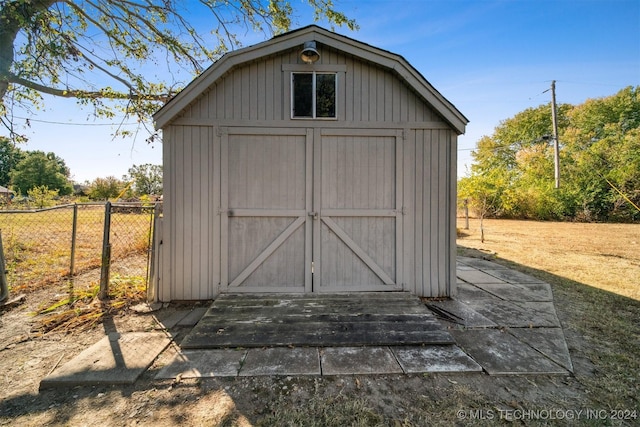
314,215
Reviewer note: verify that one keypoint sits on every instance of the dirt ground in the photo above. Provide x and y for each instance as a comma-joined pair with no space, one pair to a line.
604,389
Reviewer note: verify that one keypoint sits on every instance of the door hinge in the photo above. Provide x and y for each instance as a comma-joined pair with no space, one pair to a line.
311,267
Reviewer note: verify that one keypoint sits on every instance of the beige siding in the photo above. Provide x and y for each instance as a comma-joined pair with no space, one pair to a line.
387,150
429,231
191,268
370,94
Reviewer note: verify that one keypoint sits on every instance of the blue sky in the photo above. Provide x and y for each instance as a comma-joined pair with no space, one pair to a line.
491,59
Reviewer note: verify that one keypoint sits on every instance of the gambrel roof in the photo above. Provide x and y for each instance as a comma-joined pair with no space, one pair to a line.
296,38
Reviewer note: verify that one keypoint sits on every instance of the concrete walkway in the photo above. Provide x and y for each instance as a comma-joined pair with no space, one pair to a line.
503,322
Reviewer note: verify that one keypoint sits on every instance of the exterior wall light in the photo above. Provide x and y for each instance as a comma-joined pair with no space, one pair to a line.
309,53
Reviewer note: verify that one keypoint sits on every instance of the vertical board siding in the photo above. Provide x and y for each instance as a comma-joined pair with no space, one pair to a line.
428,241
453,196
358,172
256,92
192,268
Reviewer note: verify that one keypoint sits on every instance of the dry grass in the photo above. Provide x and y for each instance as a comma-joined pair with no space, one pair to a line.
82,309
604,256
37,246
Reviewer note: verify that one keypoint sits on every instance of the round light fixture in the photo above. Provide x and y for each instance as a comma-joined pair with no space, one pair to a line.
309,53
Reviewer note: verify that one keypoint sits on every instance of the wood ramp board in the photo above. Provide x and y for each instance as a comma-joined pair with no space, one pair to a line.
325,320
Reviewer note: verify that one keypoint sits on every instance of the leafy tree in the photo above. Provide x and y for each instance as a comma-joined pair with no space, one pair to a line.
42,196
69,48
599,158
147,179
483,193
604,151
10,156
39,169
106,188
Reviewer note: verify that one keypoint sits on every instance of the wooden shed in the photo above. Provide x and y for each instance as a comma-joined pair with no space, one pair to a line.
311,162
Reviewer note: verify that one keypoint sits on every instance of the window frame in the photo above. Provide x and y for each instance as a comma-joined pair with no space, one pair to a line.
314,94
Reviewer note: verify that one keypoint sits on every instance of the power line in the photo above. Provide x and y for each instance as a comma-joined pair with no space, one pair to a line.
75,124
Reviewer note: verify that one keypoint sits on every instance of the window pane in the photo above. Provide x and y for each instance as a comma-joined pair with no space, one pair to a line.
325,95
302,95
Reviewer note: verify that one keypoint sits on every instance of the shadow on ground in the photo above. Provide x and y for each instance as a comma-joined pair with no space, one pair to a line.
601,330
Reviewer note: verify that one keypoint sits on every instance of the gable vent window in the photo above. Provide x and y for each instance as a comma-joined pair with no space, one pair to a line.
314,95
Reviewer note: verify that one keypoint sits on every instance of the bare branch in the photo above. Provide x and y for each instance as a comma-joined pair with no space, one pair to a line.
71,93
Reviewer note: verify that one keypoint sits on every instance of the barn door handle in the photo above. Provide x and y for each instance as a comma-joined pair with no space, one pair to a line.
314,215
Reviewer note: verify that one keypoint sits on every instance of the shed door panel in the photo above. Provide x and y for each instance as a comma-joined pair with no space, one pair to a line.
267,200
357,196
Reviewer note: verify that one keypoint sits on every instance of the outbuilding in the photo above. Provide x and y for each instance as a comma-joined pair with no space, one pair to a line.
5,194
308,163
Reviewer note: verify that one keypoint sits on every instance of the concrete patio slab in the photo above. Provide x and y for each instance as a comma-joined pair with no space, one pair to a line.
172,320
193,317
518,292
441,358
468,293
358,360
481,264
477,276
548,341
115,359
204,364
501,321
512,276
517,314
543,313
281,361
464,315
500,353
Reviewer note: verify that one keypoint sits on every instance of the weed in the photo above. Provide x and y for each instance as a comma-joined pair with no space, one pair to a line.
82,310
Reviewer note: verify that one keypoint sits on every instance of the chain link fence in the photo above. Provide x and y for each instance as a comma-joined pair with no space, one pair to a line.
84,244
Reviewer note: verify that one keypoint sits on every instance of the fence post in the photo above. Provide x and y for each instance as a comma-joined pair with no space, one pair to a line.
4,286
152,294
106,254
74,234
466,214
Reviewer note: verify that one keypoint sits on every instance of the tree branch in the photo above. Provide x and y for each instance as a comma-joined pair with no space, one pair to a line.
71,93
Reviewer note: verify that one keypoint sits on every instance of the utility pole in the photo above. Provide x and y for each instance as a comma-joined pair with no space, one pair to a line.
556,144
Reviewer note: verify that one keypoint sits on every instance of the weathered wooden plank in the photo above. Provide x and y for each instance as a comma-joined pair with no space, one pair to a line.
346,296
314,334
364,302
355,310
293,320
317,320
